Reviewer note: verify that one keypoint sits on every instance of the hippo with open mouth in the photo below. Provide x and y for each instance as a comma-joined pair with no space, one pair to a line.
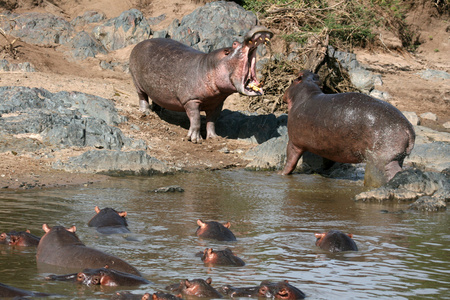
180,78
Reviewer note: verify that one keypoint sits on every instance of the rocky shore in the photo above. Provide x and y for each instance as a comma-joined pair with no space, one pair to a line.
80,133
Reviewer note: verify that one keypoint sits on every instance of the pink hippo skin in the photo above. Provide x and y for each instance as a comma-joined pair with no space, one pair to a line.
62,247
180,78
346,128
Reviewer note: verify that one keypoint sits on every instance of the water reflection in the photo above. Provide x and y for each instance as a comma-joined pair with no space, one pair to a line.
402,255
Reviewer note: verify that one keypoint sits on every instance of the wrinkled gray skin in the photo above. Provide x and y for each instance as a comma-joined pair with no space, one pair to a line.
62,247
180,78
346,128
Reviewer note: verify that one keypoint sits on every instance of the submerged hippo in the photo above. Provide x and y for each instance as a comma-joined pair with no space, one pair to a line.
346,128
125,295
267,289
280,290
108,220
180,78
196,287
215,230
221,258
62,247
7,291
335,241
102,276
23,238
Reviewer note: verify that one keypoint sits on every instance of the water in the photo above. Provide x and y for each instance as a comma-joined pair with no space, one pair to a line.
402,255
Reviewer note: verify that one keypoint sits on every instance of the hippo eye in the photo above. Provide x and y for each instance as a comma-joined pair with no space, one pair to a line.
226,51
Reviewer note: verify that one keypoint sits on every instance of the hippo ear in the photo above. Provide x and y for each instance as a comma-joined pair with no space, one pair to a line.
209,280
319,235
147,295
28,231
45,228
72,229
201,223
186,283
123,214
350,235
227,224
97,210
209,250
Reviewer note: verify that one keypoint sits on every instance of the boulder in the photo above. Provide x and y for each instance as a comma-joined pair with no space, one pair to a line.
129,28
213,26
430,190
37,28
114,163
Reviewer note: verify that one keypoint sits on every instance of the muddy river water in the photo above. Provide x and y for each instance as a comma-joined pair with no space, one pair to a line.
401,255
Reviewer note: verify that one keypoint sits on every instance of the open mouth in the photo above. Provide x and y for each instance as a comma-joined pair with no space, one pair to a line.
258,36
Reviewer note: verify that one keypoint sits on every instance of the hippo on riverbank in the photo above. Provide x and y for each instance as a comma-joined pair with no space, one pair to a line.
346,128
180,78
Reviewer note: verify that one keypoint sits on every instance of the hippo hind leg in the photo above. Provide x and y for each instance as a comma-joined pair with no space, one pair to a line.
211,118
143,102
293,154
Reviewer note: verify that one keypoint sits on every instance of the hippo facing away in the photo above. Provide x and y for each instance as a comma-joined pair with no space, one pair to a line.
180,78
346,128
61,247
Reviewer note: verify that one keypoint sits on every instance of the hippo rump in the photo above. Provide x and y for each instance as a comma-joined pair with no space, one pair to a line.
62,247
215,230
180,78
108,221
101,276
335,241
346,128
125,295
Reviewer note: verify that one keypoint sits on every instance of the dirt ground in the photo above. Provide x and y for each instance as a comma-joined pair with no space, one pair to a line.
167,141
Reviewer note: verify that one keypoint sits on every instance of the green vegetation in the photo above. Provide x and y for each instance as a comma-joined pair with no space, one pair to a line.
347,23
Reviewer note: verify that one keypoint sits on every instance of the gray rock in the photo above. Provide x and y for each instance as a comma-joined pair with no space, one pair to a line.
430,74
114,163
380,95
37,28
362,79
428,203
7,66
88,17
84,45
412,117
169,189
430,156
410,185
129,28
251,127
213,26
429,116
62,119
156,20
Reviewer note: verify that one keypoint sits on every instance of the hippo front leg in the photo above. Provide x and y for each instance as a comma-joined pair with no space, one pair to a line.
293,154
193,112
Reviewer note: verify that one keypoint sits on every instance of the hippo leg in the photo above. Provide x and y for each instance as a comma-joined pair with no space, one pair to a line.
143,102
211,118
193,112
293,154
392,168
